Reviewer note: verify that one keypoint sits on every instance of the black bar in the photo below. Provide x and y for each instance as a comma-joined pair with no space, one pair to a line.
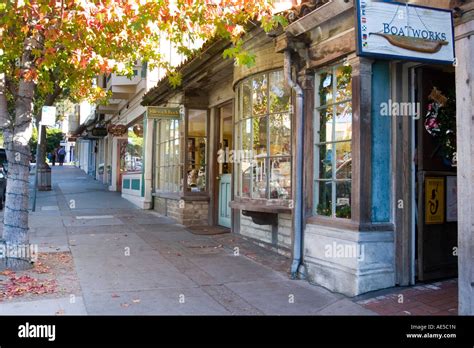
330,330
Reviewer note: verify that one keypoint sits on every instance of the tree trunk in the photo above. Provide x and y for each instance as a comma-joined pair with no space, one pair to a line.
15,220
41,155
17,135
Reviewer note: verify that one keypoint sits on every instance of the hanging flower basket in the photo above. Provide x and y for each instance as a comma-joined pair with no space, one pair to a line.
440,123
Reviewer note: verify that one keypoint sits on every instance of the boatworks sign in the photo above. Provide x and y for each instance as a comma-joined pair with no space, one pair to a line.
401,31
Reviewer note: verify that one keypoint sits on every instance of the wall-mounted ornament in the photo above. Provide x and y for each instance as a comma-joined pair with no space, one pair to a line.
138,130
117,130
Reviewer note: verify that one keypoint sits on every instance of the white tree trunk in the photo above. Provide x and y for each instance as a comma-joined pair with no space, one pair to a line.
15,220
16,138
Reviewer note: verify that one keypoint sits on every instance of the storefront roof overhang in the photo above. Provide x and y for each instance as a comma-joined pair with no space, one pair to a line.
321,12
207,65
196,72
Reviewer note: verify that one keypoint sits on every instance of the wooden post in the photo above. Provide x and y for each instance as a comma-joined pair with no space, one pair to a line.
361,138
465,160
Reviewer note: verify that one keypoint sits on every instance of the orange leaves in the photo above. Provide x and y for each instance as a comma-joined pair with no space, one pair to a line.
85,38
22,285
30,75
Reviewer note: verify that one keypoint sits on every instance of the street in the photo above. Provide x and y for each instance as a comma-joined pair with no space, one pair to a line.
131,261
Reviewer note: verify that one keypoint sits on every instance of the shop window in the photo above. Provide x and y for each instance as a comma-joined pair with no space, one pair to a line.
333,135
131,159
169,169
196,151
263,144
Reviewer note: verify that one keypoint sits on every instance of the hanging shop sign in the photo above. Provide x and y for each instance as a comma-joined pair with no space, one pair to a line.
394,30
48,116
158,112
99,132
117,130
434,200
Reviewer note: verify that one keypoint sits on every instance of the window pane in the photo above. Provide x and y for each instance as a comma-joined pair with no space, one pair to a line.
133,153
165,129
280,180
343,160
325,161
343,199
263,105
166,157
259,95
279,93
197,150
325,88
259,178
280,135
247,99
196,179
197,125
180,178
237,107
161,184
343,122
197,164
260,136
176,151
246,178
324,198
344,83
247,134
325,125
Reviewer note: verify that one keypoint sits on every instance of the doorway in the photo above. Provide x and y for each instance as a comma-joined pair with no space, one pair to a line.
225,146
434,168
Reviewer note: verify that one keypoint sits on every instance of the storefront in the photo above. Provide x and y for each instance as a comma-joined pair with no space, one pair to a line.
374,159
378,201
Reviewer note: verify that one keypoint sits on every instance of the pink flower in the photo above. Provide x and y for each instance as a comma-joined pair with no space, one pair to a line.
431,124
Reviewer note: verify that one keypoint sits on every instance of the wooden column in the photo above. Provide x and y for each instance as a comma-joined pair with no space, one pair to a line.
214,125
307,83
361,138
465,161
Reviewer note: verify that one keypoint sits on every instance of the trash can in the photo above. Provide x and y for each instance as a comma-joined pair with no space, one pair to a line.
44,178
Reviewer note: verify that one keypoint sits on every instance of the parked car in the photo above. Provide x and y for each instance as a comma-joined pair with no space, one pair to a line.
3,176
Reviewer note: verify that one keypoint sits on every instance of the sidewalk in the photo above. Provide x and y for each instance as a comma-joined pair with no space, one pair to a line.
130,261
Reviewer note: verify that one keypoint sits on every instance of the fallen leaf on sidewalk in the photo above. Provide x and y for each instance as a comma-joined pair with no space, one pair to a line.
136,300
124,305
41,268
7,273
115,295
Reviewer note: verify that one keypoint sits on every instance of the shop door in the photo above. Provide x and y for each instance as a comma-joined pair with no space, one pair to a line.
224,212
435,168
224,200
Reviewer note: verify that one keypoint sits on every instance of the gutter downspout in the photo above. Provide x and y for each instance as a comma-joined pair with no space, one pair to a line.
298,199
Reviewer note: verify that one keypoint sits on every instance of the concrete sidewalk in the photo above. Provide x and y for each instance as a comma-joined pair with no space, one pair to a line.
131,261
